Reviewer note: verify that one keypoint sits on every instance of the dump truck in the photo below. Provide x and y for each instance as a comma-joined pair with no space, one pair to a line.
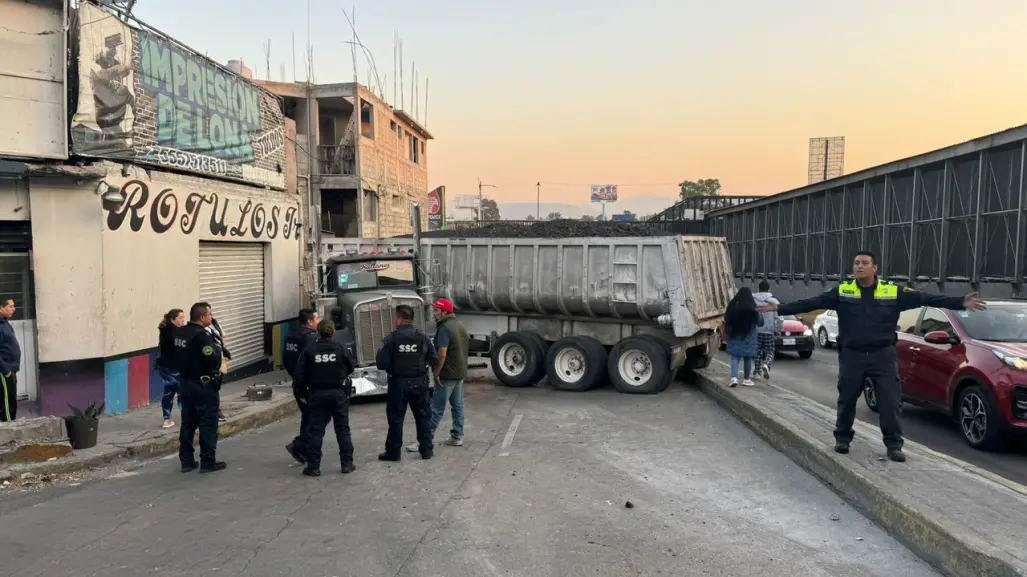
581,312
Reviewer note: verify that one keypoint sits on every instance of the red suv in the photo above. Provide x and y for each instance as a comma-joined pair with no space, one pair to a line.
969,364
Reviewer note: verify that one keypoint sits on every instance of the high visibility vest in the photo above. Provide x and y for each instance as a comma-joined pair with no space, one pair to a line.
883,291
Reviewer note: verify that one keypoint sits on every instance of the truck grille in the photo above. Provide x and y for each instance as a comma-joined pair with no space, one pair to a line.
374,320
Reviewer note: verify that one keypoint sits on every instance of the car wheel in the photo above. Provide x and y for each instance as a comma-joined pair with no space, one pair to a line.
978,420
516,359
870,395
822,339
576,363
639,365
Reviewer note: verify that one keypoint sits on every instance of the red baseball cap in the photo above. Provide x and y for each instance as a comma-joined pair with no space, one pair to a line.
443,305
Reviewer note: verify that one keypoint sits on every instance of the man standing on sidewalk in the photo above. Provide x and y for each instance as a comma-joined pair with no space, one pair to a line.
298,340
10,363
451,342
765,332
868,311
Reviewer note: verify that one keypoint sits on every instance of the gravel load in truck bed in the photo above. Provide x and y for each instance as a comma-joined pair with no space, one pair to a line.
547,229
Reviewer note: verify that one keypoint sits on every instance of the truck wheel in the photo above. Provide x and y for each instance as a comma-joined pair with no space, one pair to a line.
639,365
543,348
516,359
576,363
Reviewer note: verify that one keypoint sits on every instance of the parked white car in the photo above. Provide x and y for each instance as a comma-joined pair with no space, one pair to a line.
825,326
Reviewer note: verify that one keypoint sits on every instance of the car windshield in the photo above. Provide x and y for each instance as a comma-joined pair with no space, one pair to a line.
374,274
1001,322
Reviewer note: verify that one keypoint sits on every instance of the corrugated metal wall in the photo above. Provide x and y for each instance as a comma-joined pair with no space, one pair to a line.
232,281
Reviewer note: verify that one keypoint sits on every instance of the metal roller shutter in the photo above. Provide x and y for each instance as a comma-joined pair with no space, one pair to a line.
232,281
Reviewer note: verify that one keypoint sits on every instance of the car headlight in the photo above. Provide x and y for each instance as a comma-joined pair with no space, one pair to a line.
808,332
1011,360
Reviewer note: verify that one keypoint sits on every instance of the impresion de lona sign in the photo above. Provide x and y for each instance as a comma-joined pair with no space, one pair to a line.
147,99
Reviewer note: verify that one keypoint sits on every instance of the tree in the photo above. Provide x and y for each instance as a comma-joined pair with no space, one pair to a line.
530,217
701,187
588,218
554,216
489,209
629,213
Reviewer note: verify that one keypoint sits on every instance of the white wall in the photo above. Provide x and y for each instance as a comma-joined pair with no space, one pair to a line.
67,258
33,108
150,259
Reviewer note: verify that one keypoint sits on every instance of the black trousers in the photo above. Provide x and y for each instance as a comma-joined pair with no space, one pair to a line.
419,400
302,440
9,398
328,405
200,405
854,367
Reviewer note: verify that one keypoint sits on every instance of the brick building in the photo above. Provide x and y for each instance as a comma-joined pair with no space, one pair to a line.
365,174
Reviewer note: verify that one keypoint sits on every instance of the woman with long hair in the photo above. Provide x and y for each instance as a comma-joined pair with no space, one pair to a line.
740,322
166,368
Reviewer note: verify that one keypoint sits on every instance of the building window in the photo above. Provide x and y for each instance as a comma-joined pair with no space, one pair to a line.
370,206
415,150
397,203
399,133
367,120
422,148
393,126
16,283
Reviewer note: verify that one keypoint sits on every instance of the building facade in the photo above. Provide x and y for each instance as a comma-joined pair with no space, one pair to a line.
365,170
178,188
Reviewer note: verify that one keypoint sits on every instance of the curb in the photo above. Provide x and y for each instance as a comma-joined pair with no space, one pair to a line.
954,554
159,446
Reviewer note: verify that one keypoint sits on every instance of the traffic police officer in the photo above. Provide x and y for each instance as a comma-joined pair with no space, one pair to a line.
322,373
199,362
406,355
296,343
868,311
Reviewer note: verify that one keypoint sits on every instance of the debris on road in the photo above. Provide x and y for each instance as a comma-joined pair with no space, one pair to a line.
629,505
836,517
564,228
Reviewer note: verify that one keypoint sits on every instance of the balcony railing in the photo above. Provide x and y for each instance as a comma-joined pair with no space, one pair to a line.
337,160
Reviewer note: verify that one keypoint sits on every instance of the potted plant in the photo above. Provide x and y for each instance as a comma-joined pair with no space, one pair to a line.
83,425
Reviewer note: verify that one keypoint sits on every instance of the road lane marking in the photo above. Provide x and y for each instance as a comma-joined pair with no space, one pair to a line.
722,362
508,439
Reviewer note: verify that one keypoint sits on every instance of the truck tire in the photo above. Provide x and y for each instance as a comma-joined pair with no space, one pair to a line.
516,359
576,363
543,349
639,365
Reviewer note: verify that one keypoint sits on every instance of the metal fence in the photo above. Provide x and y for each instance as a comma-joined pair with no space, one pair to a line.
954,218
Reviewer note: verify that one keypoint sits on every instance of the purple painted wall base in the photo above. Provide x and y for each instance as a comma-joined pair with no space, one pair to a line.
74,383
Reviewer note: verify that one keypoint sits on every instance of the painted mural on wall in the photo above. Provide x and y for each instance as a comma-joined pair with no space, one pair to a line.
201,213
147,99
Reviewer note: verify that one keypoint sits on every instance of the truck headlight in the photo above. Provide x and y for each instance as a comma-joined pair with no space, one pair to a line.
1012,360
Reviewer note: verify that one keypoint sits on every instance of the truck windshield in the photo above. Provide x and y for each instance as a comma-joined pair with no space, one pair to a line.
374,274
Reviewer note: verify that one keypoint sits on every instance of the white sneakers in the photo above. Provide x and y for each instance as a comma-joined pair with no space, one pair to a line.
745,383
734,382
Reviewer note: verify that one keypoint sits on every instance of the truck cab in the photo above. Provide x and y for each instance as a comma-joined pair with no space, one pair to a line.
363,289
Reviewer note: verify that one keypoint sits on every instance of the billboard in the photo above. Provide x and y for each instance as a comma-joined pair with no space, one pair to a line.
604,193
437,209
144,98
626,217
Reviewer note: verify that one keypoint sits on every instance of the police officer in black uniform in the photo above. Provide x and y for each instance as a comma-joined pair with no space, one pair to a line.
322,374
296,343
868,312
199,361
406,355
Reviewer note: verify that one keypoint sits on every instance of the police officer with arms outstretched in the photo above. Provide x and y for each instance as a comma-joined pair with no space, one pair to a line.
297,341
199,362
406,355
321,381
868,311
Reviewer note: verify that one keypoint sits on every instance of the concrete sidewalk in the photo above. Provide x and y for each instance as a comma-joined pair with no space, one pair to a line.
139,434
962,519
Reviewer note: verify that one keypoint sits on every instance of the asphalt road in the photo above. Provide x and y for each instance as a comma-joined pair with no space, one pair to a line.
817,377
540,489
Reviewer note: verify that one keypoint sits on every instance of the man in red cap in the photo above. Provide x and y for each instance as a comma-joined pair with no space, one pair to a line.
451,342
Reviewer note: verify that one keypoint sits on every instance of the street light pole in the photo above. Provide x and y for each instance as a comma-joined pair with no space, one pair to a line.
538,195
481,207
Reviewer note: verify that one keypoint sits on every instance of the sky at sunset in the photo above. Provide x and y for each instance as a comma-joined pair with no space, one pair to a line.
647,93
